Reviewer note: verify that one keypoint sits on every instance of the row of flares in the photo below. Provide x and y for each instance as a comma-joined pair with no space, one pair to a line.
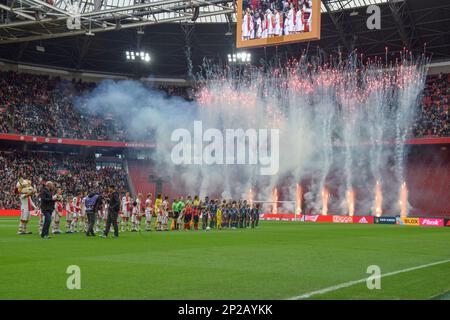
350,200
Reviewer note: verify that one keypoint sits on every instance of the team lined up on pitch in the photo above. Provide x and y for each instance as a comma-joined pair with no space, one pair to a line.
136,213
184,214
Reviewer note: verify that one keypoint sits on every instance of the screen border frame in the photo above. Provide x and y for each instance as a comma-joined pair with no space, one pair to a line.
313,35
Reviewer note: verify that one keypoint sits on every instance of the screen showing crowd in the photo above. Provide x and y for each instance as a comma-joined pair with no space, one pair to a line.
262,19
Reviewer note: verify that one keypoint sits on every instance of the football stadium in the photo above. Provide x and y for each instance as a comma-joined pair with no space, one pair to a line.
224,150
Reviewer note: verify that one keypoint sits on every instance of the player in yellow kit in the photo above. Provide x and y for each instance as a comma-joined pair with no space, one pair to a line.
158,203
219,216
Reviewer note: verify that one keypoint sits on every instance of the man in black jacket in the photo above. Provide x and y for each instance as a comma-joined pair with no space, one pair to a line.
113,212
47,207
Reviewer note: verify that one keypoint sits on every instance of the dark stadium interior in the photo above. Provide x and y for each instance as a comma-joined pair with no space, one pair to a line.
210,162
41,105
418,26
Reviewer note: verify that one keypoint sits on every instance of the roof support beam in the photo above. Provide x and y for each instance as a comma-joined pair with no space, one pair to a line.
111,28
405,26
18,12
338,18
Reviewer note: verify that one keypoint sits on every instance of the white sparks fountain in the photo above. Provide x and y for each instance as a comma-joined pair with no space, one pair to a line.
340,127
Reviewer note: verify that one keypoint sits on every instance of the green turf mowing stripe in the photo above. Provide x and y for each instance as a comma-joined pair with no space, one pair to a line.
275,261
352,283
444,296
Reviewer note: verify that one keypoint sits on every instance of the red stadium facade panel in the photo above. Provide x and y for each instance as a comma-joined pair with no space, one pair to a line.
143,145
75,142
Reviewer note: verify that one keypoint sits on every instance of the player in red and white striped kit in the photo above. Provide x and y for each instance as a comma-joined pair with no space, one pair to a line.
126,211
69,216
135,217
82,216
148,212
100,218
165,214
75,210
57,213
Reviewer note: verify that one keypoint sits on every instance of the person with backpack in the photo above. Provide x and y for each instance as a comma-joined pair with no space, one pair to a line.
92,204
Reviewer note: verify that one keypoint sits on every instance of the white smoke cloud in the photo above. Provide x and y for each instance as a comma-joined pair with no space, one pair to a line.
331,124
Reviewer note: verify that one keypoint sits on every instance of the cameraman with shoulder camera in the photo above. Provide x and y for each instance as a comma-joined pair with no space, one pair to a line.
92,203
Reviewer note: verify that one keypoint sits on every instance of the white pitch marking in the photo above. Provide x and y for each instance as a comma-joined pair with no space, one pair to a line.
352,283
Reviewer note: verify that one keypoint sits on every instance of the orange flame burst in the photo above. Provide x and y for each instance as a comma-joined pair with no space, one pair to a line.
403,200
351,202
325,196
250,196
298,199
378,199
275,201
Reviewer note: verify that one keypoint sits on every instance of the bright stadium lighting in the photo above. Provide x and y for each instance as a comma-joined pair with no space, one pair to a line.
240,58
141,56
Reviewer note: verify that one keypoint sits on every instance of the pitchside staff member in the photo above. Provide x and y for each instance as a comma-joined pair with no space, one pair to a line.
47,207
113,212
93,204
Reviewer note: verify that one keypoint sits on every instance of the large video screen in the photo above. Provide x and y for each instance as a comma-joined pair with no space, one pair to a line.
274,22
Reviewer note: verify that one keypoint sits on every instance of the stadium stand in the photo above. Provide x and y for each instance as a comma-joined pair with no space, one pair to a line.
433,116
71,172
43,106
140,171
428,176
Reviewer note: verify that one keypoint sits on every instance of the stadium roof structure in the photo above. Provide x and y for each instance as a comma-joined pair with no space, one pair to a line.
36,32
29,20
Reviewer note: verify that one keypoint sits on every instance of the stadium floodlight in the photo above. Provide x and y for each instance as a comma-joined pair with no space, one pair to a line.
140,56
240,58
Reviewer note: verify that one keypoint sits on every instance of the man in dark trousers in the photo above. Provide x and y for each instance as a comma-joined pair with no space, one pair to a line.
47,207
113,212
93,203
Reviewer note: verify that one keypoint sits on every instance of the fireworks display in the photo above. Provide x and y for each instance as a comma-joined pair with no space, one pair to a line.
342,128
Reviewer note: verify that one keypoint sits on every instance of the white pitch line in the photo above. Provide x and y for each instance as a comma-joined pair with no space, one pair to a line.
352,283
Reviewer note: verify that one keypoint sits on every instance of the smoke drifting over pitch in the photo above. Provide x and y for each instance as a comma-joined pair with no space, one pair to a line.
342,130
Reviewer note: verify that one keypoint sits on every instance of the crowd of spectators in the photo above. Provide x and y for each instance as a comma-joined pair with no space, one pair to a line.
44,106
40,105
70,172
184,92
433,116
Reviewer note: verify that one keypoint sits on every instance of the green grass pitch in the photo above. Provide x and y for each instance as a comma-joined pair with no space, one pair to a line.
278,260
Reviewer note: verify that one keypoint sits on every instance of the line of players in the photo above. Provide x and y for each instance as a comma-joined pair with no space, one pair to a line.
259,24
183,214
